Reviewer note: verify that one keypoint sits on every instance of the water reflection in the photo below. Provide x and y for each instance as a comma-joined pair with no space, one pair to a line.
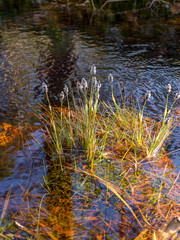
21,171
56,67
21,51
59,45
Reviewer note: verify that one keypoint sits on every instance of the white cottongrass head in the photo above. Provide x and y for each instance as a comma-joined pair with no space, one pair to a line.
44,87
177,96
93,69
148,95
95,81
66,89
79,86
168,88
84,83
110,78
98,86
61,95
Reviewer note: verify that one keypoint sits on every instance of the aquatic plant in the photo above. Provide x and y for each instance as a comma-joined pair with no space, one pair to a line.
73,126
93,69
164,129
110,78
102,152
61,96
84,124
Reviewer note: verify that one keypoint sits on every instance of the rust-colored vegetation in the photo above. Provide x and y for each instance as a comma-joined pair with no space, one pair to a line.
7,133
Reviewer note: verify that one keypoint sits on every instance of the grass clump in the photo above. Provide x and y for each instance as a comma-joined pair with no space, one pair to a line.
108,154
82,126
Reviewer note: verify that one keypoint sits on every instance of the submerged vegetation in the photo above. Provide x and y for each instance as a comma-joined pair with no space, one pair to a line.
7,134
104,156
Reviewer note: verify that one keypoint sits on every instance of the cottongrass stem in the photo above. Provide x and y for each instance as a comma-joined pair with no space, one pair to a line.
168,88
110,78
93,70
44,87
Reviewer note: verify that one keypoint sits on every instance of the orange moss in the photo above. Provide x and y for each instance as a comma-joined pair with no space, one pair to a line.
7,133
165,160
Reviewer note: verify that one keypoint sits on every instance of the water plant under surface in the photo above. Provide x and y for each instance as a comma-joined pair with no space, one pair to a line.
109,175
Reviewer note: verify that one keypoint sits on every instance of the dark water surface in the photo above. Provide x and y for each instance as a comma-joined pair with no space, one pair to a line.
57,45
